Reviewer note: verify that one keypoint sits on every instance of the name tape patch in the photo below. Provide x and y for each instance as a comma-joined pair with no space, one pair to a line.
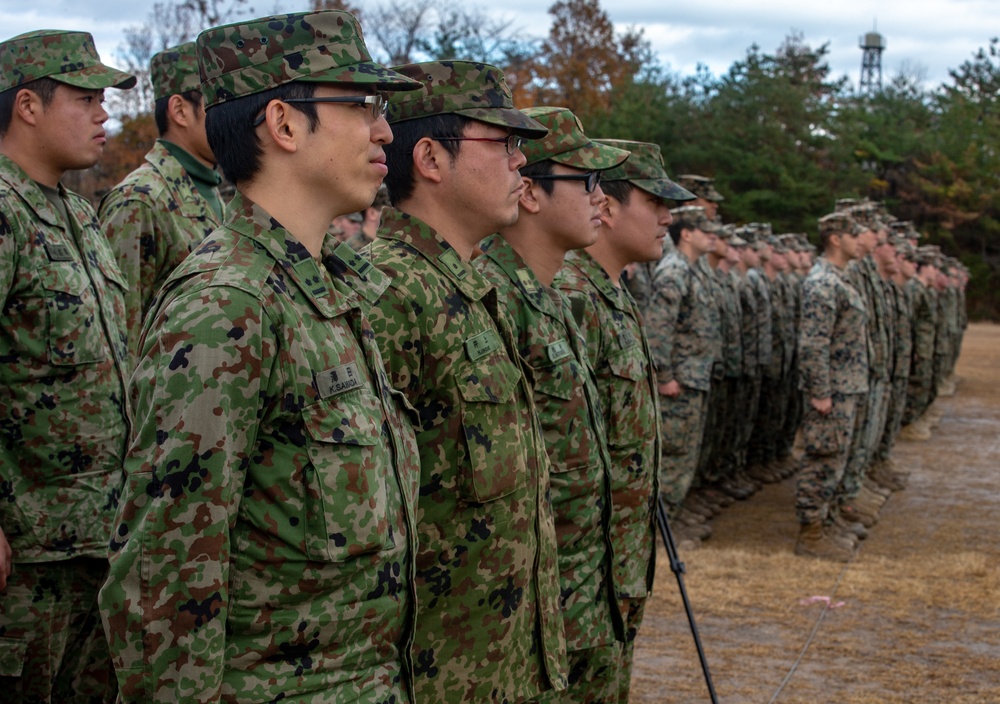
478,346
338,380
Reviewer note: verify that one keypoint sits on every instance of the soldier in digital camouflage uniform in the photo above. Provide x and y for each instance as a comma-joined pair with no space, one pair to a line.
706,195
488,624
62,386
755,256
924,328
791,410
160,211
685,338
833,381
265,543
633,227
560,210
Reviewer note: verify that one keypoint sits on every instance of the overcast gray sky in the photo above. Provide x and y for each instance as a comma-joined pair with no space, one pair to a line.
934,35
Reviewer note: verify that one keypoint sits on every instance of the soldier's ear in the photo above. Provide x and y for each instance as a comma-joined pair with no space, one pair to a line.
429,158
529,196
28,106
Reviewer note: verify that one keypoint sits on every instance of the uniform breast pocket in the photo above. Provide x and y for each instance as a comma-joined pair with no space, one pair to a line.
75,333
493,427
348,478
562,408
628,374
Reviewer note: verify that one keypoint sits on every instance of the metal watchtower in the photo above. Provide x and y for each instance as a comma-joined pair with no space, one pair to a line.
872,45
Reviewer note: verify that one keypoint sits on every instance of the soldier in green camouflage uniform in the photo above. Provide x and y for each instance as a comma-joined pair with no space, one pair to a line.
924,305
754,256
265,544
558,213
685,338
160,211
633,227
488,624
62,385
834,379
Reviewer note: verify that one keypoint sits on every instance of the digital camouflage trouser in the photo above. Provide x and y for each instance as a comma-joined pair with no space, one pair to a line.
770,421
747,403
52,644
683,422
827,441
894,418
867,434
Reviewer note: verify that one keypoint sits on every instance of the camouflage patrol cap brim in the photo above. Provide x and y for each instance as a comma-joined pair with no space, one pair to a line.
245,58
702,187
567,144
644,169
175,71
839,223
474,90
67,57
695,217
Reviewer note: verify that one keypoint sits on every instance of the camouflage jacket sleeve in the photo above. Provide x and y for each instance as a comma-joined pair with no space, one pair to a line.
669,290
819,314
924,328
764,330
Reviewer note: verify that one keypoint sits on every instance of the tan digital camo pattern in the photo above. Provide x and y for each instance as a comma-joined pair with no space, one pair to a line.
488,625
575,439
175,71
645,170
63,417
68,57
474,90
611,324
153,219
264,546
833,353
694,217
245,58
567,144
924,331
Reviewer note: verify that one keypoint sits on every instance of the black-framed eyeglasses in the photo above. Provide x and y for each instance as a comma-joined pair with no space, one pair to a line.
511,142
377,103
591,179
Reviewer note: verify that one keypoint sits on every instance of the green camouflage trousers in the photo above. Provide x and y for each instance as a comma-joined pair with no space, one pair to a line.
770,421
918,390
593,677
52,645
632,611
747,403
875,406
713,437
683,423
827,441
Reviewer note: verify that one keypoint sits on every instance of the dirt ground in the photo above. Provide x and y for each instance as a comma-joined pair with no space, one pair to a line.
917,614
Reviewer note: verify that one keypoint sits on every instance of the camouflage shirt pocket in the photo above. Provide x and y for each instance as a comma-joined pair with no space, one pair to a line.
562,409
75,333
492,427
347,479
823,436
628,371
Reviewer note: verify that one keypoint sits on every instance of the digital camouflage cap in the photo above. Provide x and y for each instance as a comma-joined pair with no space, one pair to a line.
474,90
566,143
694,217
701,186
67,57
645,170
839,223
175,71
244,58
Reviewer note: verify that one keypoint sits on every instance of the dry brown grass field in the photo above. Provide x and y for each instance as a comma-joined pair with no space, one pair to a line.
920,613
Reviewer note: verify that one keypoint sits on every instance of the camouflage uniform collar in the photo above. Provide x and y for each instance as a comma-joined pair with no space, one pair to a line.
31,193
403,227
194,168
614,295
512,264
826,265
249,220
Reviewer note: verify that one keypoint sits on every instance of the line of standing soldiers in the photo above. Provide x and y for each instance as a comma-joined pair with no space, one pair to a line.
725,321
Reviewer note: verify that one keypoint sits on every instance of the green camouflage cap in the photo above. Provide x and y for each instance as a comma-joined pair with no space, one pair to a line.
474,90
250,57
175,71
747,233
701,186
906,229
566,143
731,235
839,223
865,215
694,217
67,57
644,169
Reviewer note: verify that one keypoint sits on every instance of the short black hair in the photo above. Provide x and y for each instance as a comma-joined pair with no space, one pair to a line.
405,135
231,133
674,229
193,96
44,88
541,168
620,190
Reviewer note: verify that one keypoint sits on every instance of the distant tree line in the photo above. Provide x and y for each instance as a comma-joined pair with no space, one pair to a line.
782,137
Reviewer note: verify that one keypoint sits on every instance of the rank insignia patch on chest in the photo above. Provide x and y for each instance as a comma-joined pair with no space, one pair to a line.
558,351
336,381
626,339
478,346
58,252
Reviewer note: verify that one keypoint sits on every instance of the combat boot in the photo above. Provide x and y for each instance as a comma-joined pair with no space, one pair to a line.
840,535
915,432
853,527
816,541
687,517
883,475
874,487
869,496
856,512
718,495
